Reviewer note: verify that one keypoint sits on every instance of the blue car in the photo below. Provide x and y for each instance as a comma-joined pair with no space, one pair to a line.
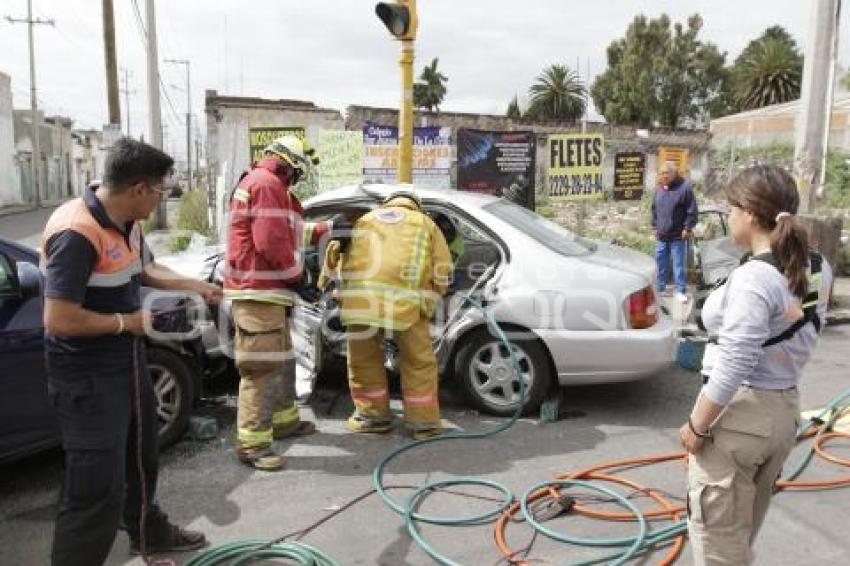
27,422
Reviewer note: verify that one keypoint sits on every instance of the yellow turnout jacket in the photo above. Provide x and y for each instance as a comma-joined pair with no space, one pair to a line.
397,268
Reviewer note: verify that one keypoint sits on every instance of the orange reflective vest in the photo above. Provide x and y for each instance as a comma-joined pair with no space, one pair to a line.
117,259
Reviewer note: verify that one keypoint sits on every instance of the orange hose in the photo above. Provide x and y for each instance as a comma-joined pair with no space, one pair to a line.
667,509
821,451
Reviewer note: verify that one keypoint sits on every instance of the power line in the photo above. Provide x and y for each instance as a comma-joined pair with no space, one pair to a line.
140,22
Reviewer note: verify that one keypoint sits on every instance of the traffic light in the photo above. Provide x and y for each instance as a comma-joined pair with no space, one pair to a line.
399,17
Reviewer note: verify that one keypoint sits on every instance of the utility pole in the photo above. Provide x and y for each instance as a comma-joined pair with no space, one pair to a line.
154,117
815,108
127,92
186,64
36,146
111,64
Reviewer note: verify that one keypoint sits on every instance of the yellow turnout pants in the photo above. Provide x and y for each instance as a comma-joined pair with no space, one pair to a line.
367,377
266,367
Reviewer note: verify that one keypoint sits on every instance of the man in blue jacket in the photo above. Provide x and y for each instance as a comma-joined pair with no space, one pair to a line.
674,215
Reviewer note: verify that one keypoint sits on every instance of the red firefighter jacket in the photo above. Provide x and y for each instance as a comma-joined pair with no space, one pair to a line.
265,236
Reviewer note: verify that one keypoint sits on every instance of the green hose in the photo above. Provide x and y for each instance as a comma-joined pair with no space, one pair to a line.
247,551
244,552
408,510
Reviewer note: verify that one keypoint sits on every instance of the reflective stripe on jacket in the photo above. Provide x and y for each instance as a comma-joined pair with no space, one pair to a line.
396,268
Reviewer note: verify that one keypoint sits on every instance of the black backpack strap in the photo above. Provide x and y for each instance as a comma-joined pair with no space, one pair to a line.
810,301
809,315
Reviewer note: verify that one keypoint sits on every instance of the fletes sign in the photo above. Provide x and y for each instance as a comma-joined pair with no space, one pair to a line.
575,166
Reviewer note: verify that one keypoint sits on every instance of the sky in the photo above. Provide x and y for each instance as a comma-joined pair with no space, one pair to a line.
336,52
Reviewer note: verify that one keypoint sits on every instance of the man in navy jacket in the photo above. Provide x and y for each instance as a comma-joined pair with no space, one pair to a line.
674,215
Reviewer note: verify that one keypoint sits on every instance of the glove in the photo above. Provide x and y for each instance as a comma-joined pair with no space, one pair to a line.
341,228
307,290
311,294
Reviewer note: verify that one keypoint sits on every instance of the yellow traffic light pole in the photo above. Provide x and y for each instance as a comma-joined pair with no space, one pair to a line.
402,22
405,116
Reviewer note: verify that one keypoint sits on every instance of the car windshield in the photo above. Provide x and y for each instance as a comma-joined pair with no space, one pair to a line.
545,231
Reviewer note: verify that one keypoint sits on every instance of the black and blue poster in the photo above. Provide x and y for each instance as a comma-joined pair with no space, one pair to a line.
497,163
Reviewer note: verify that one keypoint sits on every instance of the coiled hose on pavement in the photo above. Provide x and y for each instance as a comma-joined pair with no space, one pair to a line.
243,552
644,541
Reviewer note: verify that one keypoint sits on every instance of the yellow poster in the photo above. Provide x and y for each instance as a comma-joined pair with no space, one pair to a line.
575,166
259,138
677,155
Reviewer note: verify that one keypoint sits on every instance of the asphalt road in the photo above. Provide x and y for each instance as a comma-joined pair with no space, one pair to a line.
25,227
201,484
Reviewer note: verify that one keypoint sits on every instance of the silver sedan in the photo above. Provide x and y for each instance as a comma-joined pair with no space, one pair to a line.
576,311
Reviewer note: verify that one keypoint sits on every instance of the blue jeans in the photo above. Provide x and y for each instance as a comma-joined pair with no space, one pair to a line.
679,250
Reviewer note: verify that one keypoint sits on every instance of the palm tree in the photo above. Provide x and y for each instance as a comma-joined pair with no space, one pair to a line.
513,110
558,94
771,74
430,92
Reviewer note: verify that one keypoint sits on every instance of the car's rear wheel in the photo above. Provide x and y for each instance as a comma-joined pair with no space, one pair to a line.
171,376
487,375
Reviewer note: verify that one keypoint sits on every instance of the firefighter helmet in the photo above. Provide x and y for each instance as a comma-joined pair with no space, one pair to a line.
295,151
407,194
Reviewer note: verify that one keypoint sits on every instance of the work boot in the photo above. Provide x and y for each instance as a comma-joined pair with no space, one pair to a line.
359,423
297,428
167,537
423,431
260,458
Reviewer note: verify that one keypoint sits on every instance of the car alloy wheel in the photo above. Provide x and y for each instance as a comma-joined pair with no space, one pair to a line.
494,376
172,387
490,380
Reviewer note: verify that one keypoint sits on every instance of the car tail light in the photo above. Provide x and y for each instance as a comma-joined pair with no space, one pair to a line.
643,311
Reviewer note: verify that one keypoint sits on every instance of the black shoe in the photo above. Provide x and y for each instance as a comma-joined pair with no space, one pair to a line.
168,538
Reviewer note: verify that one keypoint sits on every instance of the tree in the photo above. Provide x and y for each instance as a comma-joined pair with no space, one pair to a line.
768,71
661,75
558,94
513,109
430,92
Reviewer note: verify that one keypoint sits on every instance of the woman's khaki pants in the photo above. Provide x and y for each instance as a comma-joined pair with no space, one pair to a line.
730,481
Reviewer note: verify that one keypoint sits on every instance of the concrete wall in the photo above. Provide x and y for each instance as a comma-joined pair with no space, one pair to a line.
88,158
761,131
230,118
617,138
55,165
10,188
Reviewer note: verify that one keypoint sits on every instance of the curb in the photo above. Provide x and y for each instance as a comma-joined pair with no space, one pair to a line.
15,209
837,317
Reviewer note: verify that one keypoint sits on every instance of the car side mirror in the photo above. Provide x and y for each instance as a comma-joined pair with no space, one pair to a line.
29,280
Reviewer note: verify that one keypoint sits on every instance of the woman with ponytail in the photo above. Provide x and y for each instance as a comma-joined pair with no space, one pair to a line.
763,325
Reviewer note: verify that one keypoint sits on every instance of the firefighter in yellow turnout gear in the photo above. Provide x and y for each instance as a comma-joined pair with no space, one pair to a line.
394,274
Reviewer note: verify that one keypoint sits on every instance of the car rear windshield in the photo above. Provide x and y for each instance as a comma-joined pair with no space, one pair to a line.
545,231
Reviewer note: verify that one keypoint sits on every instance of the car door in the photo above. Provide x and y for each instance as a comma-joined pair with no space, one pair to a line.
27,423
